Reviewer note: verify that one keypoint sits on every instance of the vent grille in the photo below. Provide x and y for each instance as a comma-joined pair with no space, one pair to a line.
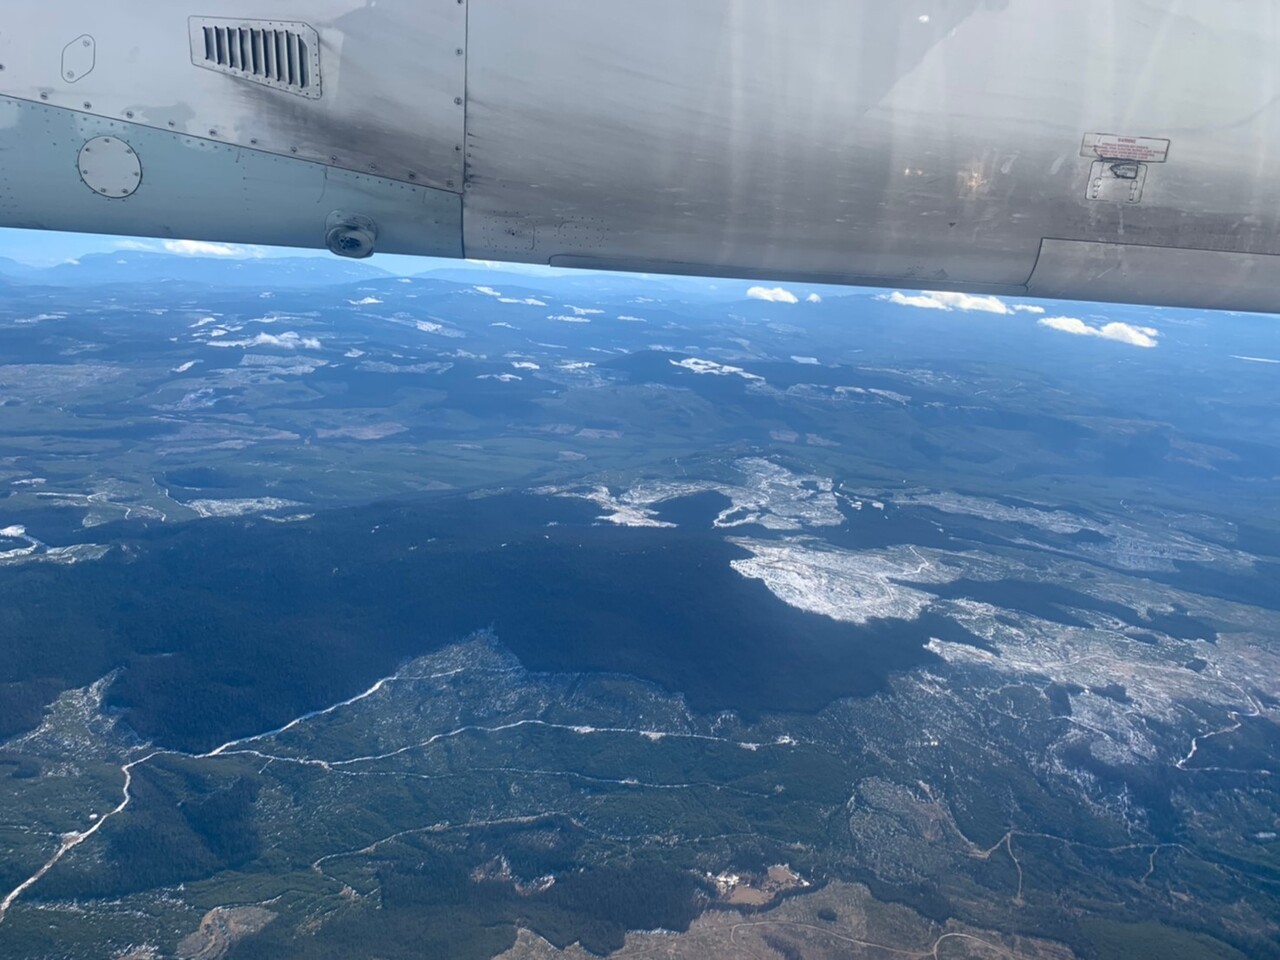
284,55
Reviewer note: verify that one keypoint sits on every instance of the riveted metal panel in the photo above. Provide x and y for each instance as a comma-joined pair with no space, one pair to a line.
196,188
393,79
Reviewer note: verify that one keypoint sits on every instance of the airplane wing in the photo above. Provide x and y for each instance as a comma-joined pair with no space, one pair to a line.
1111,150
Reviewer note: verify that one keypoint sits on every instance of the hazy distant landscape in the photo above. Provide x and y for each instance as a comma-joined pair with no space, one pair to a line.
480,614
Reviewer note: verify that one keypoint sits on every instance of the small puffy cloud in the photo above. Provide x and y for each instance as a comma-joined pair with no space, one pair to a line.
1028,308
203,248
364,301
1120,332
1127,333
772,294
925,301
949,300
813,298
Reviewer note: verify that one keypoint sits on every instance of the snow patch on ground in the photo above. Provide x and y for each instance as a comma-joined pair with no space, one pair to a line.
698,365
852,586
239,507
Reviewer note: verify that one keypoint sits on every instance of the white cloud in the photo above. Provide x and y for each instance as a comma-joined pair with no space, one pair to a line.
364,301
583,311
810,360
1120,332
487,291
568,318
967,301
813,298
924,300
1254,359
525,365
1127,333
772,294
949,300
627,316
202,248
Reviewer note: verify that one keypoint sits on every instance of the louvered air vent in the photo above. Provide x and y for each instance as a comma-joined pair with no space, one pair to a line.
285,55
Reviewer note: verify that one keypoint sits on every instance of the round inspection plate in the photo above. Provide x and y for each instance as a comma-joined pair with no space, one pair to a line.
109,167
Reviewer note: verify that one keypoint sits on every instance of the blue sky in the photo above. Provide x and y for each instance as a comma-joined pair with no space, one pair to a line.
46,248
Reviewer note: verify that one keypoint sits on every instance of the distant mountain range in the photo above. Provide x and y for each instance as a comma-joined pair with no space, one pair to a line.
139,266
601,283
136,266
